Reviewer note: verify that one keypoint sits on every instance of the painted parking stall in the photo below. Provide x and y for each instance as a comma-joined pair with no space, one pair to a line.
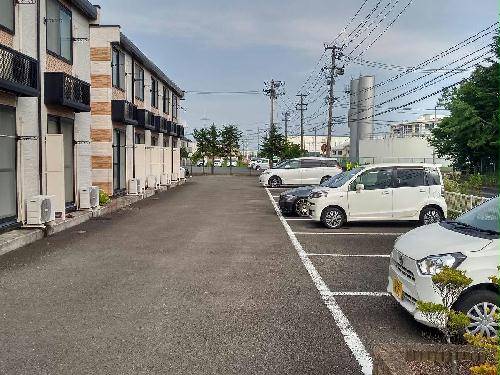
349,267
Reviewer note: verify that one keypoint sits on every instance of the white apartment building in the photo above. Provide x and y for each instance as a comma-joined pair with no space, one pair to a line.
135,114
421,127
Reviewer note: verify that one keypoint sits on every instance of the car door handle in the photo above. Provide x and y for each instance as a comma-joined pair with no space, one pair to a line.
423,190
386,192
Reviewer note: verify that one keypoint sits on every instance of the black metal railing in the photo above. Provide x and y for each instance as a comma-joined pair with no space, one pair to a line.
68,91
146,119
163,125
157,123
124,111
18,72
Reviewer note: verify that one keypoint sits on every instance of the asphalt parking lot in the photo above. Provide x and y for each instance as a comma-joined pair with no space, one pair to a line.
353,264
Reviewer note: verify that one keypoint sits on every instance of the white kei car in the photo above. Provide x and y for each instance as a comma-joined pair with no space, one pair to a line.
300,171
381,192
469,243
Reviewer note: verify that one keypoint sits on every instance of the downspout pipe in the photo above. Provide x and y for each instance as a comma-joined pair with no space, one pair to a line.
40,138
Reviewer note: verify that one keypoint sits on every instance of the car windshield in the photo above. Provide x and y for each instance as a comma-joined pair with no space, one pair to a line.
280,164
483,217
341,178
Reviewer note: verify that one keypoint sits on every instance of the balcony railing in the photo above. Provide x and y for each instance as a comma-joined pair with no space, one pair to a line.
173,129
124,111
18,73
146,119
163,125
68,91
157,123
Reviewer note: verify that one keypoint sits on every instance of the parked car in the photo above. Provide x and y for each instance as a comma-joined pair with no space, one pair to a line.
201,163
218,162
261,164
301,171
470,243
233,163
295,201
381,192
251,163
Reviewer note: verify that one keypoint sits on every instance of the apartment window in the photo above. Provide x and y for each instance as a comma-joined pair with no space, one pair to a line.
174,106
154,141
166,142
139,139
59,30
118,69
139,82
7,15
166,100
154,93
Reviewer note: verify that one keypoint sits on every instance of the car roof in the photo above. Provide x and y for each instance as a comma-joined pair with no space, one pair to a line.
385,165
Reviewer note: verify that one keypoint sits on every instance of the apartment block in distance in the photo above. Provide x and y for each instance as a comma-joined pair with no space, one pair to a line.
44,103
135,129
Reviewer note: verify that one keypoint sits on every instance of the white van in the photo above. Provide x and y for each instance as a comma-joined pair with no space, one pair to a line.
469,243
381,192
301,171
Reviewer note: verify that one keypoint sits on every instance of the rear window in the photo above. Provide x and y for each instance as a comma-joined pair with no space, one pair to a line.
409,177
432,177
310,163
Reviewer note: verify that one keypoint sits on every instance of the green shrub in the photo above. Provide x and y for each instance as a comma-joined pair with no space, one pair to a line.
103,198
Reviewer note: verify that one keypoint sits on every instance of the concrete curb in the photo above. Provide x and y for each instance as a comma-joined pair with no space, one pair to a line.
18,238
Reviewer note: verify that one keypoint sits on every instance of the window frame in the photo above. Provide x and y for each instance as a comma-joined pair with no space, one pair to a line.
166,100
5,28
174,106
120,69
68,11
395,178
154,92
310,163
356,180
138,68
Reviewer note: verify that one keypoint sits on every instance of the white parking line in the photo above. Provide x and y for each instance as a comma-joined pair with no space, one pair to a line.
365,294
347,233
351,338
349,255
299,219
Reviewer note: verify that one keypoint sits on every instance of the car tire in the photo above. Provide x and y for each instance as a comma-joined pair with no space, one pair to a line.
333,217
324,179
301,207
473,305
257,168
274,182
431,215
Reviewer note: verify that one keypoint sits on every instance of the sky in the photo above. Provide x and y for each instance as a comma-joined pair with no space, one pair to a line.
235,45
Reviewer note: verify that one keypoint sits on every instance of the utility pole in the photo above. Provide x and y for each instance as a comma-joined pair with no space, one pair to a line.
286,119
258,141
315,142
301,107
273,91
332,72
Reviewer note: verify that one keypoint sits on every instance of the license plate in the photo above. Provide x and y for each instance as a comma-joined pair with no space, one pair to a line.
397,287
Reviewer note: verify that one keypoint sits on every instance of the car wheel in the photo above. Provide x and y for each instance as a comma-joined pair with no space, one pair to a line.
257,168
302,207
431,215
274,181
324,179
333,217
480,306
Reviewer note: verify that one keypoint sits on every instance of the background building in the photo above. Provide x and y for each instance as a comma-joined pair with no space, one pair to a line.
313,144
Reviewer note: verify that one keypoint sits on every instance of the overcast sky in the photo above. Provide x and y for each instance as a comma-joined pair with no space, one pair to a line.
234,45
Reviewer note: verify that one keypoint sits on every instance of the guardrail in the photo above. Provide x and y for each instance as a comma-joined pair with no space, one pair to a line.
459,203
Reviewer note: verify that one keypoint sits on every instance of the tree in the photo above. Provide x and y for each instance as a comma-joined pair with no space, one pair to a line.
213,144
273,144
201,137
291,150
469,136
230,143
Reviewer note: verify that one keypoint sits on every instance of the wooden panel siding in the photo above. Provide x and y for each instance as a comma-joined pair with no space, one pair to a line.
100,81
101,135
104,186
101,108
101,162
100,54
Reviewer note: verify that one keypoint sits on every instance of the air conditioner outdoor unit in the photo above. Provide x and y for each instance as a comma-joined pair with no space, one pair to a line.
40,209
89,197
165,179
152,182
140,186
133,186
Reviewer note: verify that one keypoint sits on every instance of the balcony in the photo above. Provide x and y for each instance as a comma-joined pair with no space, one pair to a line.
67,91
146,119
157,123
163,125
18,73
173,129
124,112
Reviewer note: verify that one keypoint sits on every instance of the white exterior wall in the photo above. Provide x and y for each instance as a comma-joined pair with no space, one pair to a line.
397,150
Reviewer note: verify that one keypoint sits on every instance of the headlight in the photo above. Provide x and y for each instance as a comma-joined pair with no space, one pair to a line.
318,194
435,263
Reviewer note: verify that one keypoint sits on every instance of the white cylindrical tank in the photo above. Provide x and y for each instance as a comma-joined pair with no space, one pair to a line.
365,106
352,120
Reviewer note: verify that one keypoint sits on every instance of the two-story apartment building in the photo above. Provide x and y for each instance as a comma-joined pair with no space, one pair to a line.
44,102
135,114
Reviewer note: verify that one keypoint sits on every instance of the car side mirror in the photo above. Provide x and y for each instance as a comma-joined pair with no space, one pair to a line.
360,187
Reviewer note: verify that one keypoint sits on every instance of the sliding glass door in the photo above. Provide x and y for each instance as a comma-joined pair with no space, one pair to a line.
119,181
8,178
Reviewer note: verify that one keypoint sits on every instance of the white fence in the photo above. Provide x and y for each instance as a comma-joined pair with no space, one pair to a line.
460,203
